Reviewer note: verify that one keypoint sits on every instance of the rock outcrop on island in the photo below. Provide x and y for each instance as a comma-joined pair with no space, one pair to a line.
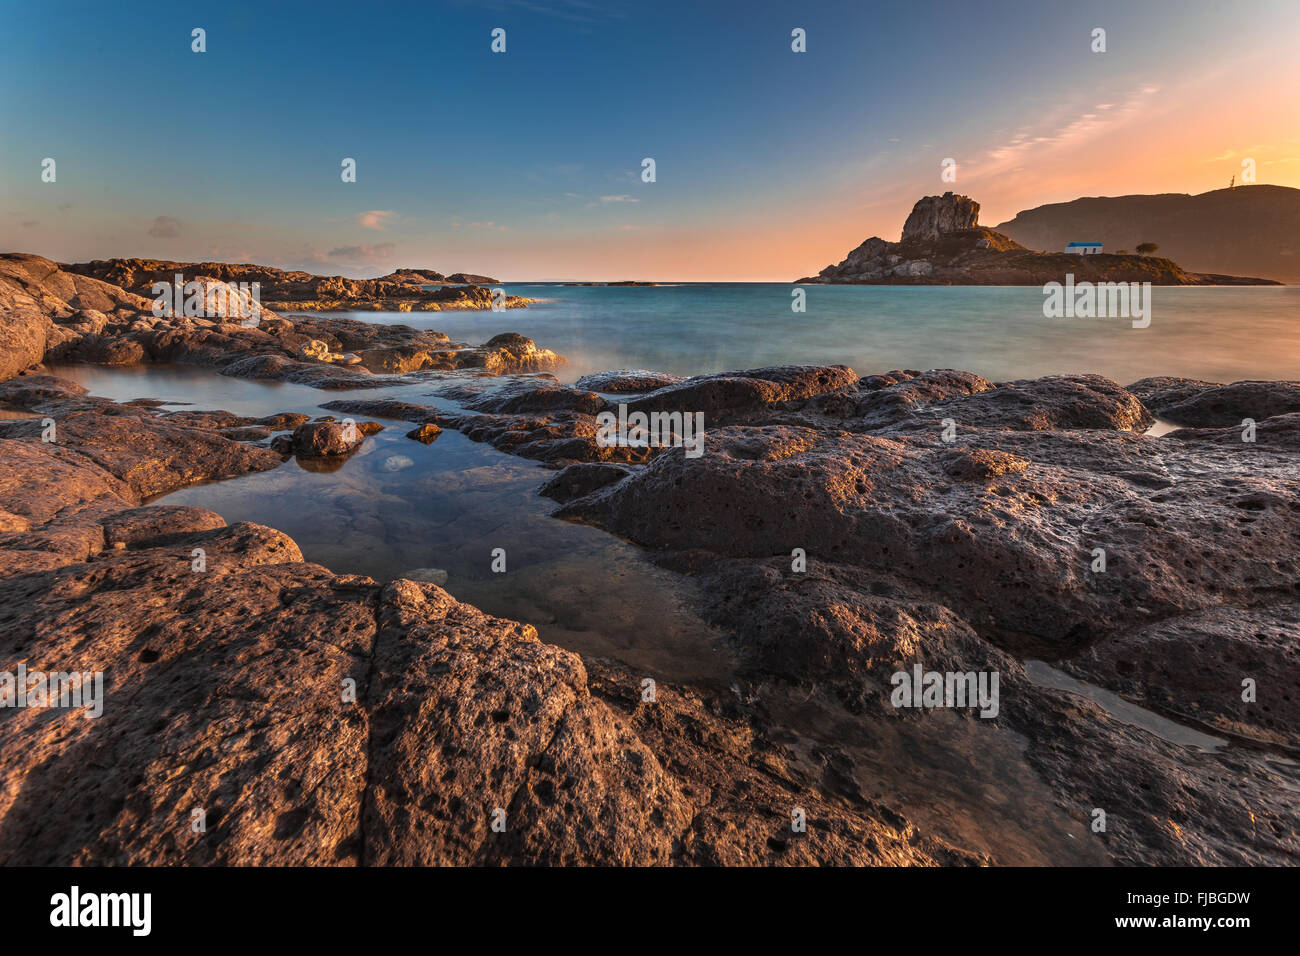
943,244
400,291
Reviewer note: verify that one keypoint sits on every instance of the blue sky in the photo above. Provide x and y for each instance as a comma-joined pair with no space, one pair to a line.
526,164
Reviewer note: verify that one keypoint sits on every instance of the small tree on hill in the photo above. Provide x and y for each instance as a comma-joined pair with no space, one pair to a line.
1146,248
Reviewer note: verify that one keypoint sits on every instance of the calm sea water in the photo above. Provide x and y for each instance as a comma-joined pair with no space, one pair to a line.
1220,334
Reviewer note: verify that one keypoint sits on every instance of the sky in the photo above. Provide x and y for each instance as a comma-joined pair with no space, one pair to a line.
527,164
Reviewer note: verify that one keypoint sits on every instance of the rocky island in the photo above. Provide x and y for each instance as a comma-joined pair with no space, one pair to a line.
841,528
943,244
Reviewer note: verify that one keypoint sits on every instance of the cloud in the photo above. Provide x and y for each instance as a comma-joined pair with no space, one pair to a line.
620,198
377,219
456,224
30,223
165,227
1066,133
358,255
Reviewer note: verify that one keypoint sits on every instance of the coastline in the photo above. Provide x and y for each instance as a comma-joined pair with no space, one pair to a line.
970,555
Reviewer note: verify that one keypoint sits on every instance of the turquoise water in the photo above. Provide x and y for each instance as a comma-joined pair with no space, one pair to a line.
1220,334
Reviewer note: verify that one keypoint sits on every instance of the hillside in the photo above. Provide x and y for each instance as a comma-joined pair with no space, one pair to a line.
1250,229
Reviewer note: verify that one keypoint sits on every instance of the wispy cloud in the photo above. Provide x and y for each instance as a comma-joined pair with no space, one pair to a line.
377,219
165,227
363,254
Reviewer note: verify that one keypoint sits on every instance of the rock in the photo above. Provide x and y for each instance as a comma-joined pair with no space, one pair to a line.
915,550
325,439
626,380
426,433
400,291
317,350
936,216
428,575
522,395
729,394
149,455
1276,434
942,244
24,327
512,352
1200,404
157,525
1143,664
981,464
581,479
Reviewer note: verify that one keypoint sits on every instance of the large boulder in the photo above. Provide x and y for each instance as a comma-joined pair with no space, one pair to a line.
935,216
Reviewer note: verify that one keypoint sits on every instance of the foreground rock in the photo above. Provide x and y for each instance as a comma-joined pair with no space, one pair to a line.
1186,401
310,718
843,534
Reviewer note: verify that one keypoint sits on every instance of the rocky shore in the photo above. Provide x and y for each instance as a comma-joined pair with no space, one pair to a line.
943,520
56,315
400,291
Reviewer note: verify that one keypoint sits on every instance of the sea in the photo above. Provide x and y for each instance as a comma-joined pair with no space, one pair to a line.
1220,334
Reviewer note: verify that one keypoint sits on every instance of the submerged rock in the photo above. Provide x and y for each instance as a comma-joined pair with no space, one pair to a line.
425,433
325,439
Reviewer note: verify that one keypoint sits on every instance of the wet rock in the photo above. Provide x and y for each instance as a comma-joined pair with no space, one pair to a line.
512,352
249,433
1199,404
1053,402
1230,646
524,395
325,439
157,525
1012,550
150,455
627,380
556,440
426,433
1279,433
981,464
729,394
583,478
383,408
